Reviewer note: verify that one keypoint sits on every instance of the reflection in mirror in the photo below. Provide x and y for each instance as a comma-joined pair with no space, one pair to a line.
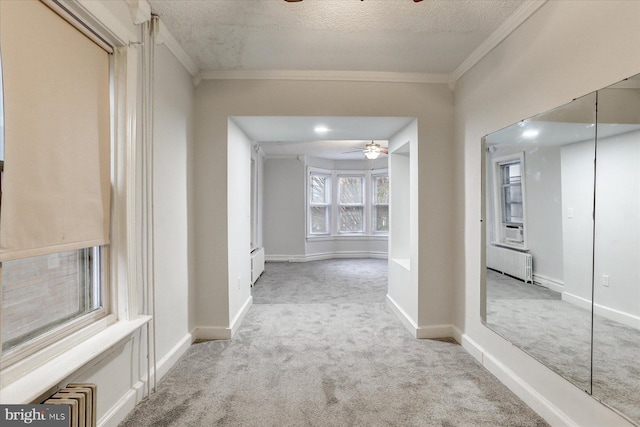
616,321
539,227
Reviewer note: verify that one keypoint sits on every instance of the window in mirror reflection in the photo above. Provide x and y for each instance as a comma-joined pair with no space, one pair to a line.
509,179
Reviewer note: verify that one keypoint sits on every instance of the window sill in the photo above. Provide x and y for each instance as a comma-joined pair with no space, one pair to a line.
326,238
46,376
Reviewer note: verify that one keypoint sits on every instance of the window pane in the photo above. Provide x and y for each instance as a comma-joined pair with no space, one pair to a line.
513,213
319,186
319,220
63,283
382,190
511,173
382,218
351,189
351,219
513,194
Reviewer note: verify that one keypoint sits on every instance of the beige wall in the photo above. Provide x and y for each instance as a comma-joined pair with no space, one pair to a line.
565,50
172,138
216,100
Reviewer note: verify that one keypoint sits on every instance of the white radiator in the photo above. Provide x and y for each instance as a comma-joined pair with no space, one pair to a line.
81,399
257,264
514,263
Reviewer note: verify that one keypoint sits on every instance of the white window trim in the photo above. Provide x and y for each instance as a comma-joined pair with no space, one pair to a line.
373,204
308,204
334,234
337,174
27,378
497,193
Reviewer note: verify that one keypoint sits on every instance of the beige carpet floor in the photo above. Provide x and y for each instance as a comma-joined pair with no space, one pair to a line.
306,357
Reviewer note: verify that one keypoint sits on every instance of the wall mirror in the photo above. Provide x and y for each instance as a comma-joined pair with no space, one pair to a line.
562,200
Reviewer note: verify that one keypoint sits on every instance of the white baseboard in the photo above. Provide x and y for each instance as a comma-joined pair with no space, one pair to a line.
601,310
221,332
326,255
422,332
118,412
212,333
237,320
170,359
284,258
435,331
549,283
135,394
536,401
407,321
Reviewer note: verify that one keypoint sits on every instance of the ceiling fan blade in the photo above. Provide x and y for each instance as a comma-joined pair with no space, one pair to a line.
384,150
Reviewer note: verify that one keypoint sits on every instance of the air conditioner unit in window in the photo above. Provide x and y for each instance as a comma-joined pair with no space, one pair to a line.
513,233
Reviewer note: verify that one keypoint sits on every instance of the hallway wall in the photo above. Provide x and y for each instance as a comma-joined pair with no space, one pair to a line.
565,50
432,104
285,213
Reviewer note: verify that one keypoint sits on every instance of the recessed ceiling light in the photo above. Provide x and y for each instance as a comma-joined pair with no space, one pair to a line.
530,133
321,129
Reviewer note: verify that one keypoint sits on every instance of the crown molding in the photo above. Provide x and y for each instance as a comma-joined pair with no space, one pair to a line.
518,18
165,36
326,75
502,32
140,11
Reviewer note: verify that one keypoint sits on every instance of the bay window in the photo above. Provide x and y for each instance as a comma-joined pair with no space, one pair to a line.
350,204
380,203
319,203
347,203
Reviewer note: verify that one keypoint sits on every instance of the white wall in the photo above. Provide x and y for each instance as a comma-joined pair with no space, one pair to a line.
173,136
284,209
617,235
216,100
577,230
403,287
239,225
565,50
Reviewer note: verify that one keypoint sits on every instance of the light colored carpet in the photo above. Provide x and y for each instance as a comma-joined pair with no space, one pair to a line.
328,363
333,281
558,334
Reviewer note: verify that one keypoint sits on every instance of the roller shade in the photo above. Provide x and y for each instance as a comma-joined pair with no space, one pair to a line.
56,183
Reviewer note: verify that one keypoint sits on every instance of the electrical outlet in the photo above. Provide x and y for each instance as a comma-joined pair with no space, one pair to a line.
605,280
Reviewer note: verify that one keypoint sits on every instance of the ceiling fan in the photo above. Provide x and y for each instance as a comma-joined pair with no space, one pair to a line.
371,151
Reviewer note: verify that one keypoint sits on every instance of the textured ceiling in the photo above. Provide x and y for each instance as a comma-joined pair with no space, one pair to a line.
433,36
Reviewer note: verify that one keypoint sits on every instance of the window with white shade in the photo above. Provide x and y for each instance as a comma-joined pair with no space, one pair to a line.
56,180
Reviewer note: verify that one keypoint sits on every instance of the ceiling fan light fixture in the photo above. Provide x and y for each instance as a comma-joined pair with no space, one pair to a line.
372,151
371,155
